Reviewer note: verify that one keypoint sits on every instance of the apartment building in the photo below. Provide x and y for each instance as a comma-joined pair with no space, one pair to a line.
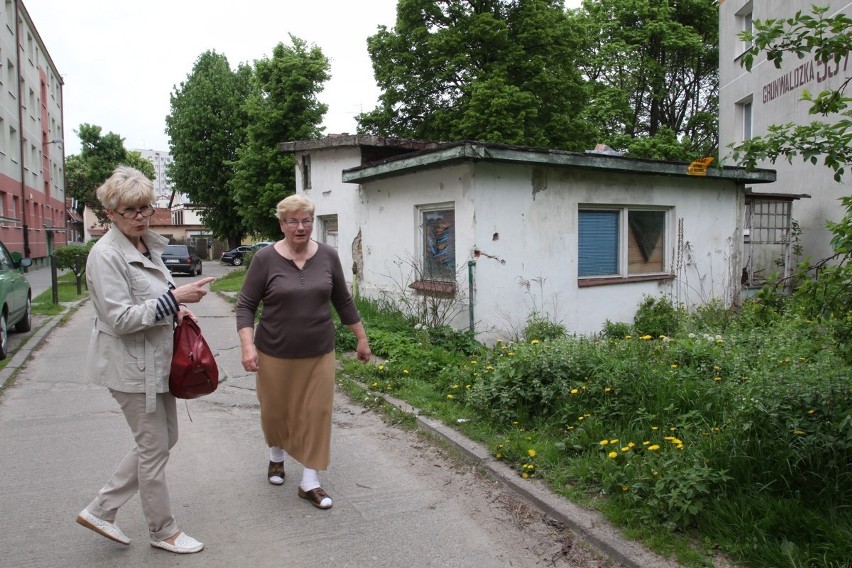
749,103
32,156
163,186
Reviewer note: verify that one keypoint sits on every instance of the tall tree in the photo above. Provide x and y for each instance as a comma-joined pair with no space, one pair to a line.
98,157
206,126
493,70
282,106
830,138
653,69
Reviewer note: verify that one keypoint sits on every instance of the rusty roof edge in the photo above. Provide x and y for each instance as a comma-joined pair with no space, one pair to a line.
452,153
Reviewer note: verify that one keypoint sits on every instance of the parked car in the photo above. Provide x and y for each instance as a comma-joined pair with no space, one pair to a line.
16,298
235,255
181,258
260,245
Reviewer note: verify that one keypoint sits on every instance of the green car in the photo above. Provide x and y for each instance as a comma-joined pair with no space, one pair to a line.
15,298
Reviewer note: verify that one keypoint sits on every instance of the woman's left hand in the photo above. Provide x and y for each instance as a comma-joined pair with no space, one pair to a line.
185,313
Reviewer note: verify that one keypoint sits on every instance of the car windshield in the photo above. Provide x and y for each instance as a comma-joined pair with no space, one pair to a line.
175,249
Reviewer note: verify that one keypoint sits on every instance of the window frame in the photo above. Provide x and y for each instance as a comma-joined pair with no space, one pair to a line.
442,282
622,255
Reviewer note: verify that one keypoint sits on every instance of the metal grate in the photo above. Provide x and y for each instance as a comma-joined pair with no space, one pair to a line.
769,222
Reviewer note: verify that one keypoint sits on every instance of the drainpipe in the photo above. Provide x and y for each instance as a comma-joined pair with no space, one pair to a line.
18,47
470,265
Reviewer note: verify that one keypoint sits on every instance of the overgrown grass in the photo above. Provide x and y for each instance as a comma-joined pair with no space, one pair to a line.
741,442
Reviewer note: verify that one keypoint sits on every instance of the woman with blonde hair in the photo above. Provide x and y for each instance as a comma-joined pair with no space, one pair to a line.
298,280
130,351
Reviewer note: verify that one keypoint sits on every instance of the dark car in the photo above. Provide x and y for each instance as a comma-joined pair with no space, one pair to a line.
235,255
16,298
181,258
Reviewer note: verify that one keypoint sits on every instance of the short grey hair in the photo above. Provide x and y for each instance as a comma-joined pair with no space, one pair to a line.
292,204
126,187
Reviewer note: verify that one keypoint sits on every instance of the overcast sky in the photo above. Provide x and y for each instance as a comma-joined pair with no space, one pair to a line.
120,60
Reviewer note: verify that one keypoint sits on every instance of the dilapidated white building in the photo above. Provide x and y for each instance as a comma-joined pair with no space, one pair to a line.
506,232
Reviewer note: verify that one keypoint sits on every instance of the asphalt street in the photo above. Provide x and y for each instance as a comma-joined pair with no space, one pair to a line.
398,500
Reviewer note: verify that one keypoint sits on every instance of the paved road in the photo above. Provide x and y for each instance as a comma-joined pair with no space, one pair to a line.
399,501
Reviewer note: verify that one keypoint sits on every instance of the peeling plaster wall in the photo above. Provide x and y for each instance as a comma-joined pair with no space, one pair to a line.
523,222
333,197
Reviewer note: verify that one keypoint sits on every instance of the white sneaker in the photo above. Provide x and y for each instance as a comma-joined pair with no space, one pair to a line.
184,544
102,527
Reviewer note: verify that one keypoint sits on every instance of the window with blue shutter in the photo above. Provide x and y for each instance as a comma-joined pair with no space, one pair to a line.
598,236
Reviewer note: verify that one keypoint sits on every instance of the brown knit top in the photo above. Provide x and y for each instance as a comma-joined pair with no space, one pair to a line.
295,321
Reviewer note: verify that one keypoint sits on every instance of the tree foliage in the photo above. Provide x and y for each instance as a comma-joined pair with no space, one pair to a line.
653,71
829,40
206,126
492,70
98,157
282,106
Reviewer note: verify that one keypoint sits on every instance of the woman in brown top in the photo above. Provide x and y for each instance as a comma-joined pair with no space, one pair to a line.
297,280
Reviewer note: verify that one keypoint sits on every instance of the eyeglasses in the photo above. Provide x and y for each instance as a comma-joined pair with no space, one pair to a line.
293,223
146,211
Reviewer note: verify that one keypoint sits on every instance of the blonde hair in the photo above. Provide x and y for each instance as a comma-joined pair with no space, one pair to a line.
126,186
292,204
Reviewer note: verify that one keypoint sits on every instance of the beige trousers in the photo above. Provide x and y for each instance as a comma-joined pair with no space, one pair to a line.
143,469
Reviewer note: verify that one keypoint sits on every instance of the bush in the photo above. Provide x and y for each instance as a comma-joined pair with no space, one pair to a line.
656,317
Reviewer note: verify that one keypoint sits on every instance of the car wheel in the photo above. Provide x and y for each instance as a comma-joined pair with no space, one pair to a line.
26,323
4,337
192,270
237,261
200,266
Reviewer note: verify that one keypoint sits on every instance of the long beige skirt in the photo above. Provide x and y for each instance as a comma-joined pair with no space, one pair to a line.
296,399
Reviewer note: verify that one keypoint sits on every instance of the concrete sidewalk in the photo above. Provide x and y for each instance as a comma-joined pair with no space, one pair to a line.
397,501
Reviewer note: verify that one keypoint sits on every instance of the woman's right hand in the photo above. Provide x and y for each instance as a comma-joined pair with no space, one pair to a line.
193,292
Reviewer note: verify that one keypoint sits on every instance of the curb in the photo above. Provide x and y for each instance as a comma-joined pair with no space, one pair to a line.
590,525
22,354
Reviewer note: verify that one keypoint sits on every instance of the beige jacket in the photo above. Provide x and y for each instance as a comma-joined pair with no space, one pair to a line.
129,350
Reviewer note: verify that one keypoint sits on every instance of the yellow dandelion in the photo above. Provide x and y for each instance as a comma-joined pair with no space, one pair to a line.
405,371
717,379
612,455
624,488
473,362
798,432
535,341
450,396
631,445
531,453
811,411
381,367
607,389
645,443
645,337
674,365
525,475
625,449
498,455
653,448
628,337
574,391
604,442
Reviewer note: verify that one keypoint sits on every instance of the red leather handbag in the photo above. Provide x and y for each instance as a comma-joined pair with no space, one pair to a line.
194,371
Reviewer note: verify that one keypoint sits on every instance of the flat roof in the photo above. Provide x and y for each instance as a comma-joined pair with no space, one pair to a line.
468,151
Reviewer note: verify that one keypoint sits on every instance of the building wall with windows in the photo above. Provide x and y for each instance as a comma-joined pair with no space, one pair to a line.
750,102
512,231
163,186
32,161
